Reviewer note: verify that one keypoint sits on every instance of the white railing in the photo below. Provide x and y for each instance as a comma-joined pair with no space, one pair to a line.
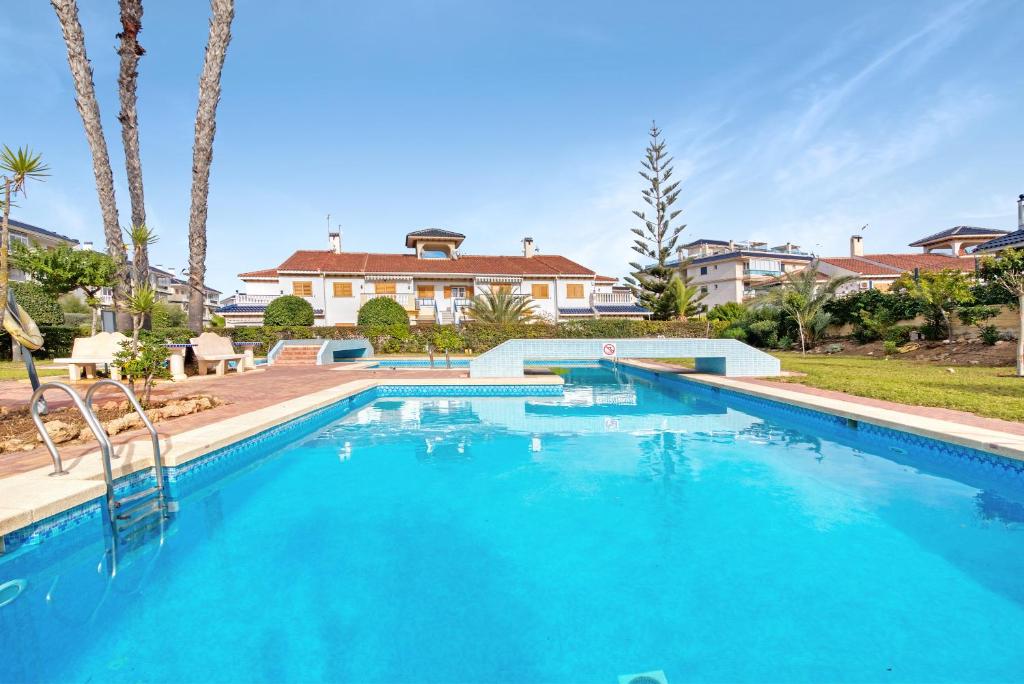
406,299
597,298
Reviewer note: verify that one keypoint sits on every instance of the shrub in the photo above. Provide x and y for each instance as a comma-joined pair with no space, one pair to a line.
176,335
990,335
42,307
382,311
167,315
735,333
729,312
446,338
57,342
288,310
890,347
70,303
75,320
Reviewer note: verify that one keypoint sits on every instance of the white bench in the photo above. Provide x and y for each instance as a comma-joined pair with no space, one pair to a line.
89,352
212,350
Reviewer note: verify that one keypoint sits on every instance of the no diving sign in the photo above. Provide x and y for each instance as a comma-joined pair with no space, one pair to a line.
608,349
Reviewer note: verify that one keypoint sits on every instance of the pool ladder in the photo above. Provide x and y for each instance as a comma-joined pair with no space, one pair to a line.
125,512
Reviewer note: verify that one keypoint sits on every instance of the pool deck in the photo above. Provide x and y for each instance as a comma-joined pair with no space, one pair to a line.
261,399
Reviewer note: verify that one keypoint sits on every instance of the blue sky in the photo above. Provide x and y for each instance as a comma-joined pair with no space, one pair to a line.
793,121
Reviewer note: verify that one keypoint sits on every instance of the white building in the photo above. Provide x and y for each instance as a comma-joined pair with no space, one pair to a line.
434,281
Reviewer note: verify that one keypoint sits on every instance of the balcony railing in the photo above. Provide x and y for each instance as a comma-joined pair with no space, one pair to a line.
606,298
406,299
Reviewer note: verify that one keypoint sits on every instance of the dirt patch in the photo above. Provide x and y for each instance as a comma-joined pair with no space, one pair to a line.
960,352
65,425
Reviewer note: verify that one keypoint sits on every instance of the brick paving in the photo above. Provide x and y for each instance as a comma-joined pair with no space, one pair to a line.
241,394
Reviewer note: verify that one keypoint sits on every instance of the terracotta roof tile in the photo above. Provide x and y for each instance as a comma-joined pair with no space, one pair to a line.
265,273
362,262
894,264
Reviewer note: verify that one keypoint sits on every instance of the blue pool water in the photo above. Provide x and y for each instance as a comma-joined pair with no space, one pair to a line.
625,527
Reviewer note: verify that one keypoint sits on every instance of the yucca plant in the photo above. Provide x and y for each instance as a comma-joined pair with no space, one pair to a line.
140,304
17,167
501,308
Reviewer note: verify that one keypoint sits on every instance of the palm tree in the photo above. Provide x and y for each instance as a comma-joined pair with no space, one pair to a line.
680,300
18,167
803,296
89,109
131,51
501,308
222,13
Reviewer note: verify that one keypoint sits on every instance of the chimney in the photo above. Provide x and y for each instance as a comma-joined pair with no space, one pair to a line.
1020,212
528,249
335,239
856,246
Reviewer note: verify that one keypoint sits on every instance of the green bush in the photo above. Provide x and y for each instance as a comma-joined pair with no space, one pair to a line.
75,320
729,312
382,311
447,338
43,308
57,342
890,347
70,303
288,310
167,315
175,335
990,335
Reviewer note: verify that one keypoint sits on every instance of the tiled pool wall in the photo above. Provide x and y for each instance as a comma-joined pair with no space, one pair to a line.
439,362
923,450
214,465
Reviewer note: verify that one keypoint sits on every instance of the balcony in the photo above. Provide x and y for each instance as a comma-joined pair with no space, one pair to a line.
612,299
406,299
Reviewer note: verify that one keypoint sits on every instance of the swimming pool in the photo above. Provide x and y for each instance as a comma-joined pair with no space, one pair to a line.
629,525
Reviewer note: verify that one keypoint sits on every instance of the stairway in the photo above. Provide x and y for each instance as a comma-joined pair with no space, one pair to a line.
297,355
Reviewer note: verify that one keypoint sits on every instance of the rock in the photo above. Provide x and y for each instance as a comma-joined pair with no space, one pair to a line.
4,411
203,403
109,406
13,444
951,370
118,425
60,431
178,408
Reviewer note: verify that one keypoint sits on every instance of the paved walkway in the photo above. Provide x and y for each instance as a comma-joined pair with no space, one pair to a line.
241,394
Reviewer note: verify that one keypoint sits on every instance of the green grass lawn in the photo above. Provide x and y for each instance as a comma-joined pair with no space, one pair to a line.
15,370
986,391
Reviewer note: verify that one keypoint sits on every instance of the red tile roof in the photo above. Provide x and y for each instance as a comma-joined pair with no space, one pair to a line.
265,273
550,265
894,264
606,279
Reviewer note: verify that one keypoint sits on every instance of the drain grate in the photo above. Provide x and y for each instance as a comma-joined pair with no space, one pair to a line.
655,677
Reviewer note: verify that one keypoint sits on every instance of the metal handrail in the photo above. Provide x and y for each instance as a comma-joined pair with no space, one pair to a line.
134,401
90,420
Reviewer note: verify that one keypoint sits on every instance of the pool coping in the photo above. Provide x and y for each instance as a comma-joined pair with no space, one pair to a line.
1005,444
31,497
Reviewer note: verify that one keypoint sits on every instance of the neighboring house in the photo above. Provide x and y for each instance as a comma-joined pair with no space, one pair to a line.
879,271
1013,240
434,282
28,234
728,271
957,240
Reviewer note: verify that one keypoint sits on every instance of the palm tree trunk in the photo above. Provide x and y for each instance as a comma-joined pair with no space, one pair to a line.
131,51
222,13
5,244
88,108
1020,336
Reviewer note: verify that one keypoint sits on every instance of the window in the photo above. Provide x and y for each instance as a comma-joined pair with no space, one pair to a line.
342,289
703,289
424,291
703,270
864,285
384,288
458,292
574,291
507,289
302,288
538,291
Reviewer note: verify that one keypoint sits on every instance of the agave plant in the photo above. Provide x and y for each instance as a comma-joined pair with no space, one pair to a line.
501,308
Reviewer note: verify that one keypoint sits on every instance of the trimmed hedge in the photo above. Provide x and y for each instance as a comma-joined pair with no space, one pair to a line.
382,311
402,339
57,342
42,307
288,310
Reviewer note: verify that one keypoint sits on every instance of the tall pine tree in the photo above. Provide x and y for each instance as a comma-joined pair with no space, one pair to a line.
656,240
